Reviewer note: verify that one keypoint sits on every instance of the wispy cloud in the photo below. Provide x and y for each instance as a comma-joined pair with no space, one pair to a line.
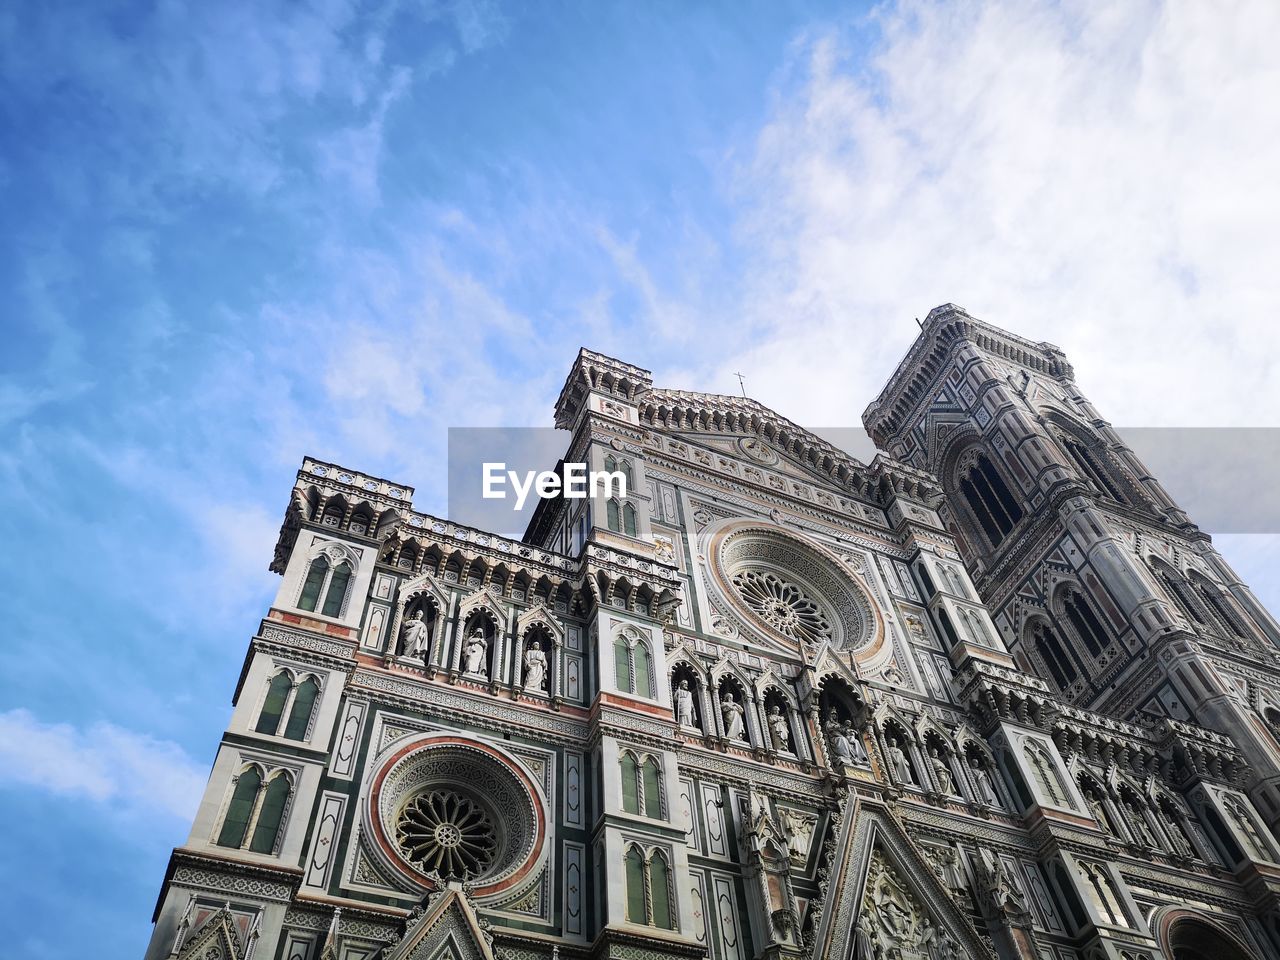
131,772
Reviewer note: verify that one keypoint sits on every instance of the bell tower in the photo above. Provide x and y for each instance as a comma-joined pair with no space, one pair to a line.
1097,580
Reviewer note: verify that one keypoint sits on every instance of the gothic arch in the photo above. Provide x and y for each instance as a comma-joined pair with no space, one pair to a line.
1192,935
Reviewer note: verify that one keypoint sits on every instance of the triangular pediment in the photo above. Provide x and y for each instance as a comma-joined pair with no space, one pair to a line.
885,893
448,929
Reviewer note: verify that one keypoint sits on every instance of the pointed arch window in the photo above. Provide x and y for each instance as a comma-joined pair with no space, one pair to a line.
316,574
651,786
1043,769
255,814
613,513
1093,468
286,698
649,893
235,824
337,592
1086,623
1222,608
267,829
304,701
989,499
1182,595
630,784
637,899
1053,655
273,704
629,524
633,664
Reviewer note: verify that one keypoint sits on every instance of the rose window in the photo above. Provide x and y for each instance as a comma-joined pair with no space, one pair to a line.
446,833
782,605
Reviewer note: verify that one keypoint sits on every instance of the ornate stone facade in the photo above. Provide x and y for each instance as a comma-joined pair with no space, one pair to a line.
989,695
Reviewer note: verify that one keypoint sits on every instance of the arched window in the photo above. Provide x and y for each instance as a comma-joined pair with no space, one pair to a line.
637,896
630,784
1181,593
989,499
1052,654
622,665
629,520
644,681
304,701
1091,466
660,887
315,580
273,704
1222,607
652,784
236,822
1086,623
614,515
267,829
337,590
633,664
1045,772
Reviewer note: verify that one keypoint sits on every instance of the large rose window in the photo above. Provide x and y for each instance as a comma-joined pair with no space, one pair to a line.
445,807
789,589
783,605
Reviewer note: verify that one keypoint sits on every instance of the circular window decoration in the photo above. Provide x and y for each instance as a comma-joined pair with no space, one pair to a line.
783,605
445,807
791,589
447,833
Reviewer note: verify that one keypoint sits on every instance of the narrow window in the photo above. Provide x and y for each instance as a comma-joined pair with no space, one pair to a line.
1055,658
273,705
652,789
264,834
643,685
240,809
314,581
622,666
304,702
1090,629
636,911
615,516
1222,607
660,891
337,590
630,793
629,520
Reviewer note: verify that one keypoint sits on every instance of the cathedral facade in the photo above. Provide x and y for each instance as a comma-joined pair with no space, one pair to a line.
991,695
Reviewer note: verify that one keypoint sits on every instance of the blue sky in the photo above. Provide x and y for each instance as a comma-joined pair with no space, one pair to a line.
238,233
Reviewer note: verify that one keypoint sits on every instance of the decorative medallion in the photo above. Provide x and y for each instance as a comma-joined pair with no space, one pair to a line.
782,605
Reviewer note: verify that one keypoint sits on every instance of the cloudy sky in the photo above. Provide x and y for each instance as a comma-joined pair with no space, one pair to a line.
240,232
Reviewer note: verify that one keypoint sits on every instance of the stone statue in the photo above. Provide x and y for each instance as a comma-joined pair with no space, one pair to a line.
685,715
841,749
732,713
865,939
1003,893
941,772
778,727
799,832
1097,809
982,780
535,668
474,653
900,765
416,634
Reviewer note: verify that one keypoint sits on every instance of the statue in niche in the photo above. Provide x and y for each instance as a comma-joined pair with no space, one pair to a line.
732,714
535,668
779,729
899,764
1096,807
1138,819
1003,893
1245,822
846,745
685,715
474,653
416,635
941,772
799,832
982,780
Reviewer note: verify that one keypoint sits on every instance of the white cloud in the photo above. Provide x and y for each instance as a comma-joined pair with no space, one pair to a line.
1097,175
103,763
